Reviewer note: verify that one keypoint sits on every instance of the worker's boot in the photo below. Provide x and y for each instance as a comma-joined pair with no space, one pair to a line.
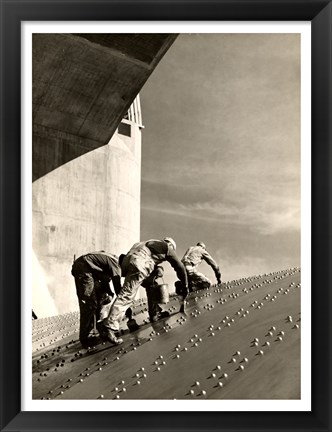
131,323
90,342
109,335
159,316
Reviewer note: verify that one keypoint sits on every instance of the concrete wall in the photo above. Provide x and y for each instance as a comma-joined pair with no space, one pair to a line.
90,203
86,193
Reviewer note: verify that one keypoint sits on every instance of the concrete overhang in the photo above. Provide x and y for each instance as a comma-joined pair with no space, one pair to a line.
83,84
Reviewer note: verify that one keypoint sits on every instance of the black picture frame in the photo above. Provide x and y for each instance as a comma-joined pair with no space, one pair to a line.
13,12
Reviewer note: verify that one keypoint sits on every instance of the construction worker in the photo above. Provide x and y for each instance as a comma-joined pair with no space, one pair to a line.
192,259
93,273
155,311
137,267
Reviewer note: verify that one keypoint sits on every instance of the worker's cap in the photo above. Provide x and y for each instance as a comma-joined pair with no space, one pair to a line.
201,244
170,241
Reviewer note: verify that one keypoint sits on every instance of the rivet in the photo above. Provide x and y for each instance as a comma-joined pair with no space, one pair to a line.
220,384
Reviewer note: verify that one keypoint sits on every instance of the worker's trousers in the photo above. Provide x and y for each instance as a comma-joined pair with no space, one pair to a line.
196,280
87,301
92,303
153,308
125,298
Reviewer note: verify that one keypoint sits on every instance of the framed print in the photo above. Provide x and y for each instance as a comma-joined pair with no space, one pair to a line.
206,128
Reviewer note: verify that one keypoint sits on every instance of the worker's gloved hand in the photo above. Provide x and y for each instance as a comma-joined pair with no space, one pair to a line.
180,289
129,313
106,298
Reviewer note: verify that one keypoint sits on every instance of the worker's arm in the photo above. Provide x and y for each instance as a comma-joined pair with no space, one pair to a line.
105,284
209,260
116,280
178,267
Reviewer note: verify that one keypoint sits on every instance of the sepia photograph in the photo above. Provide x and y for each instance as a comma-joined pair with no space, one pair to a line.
166,217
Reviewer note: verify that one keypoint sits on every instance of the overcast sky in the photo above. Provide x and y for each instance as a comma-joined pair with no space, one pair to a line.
221,150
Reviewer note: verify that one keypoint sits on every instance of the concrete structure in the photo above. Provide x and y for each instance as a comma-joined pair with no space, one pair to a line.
90,203
84,200
83,84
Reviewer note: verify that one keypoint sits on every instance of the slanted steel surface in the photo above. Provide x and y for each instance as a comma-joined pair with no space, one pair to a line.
240,340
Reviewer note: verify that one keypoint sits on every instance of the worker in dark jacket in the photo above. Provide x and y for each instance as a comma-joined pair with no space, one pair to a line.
192,259
137,266
93,273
